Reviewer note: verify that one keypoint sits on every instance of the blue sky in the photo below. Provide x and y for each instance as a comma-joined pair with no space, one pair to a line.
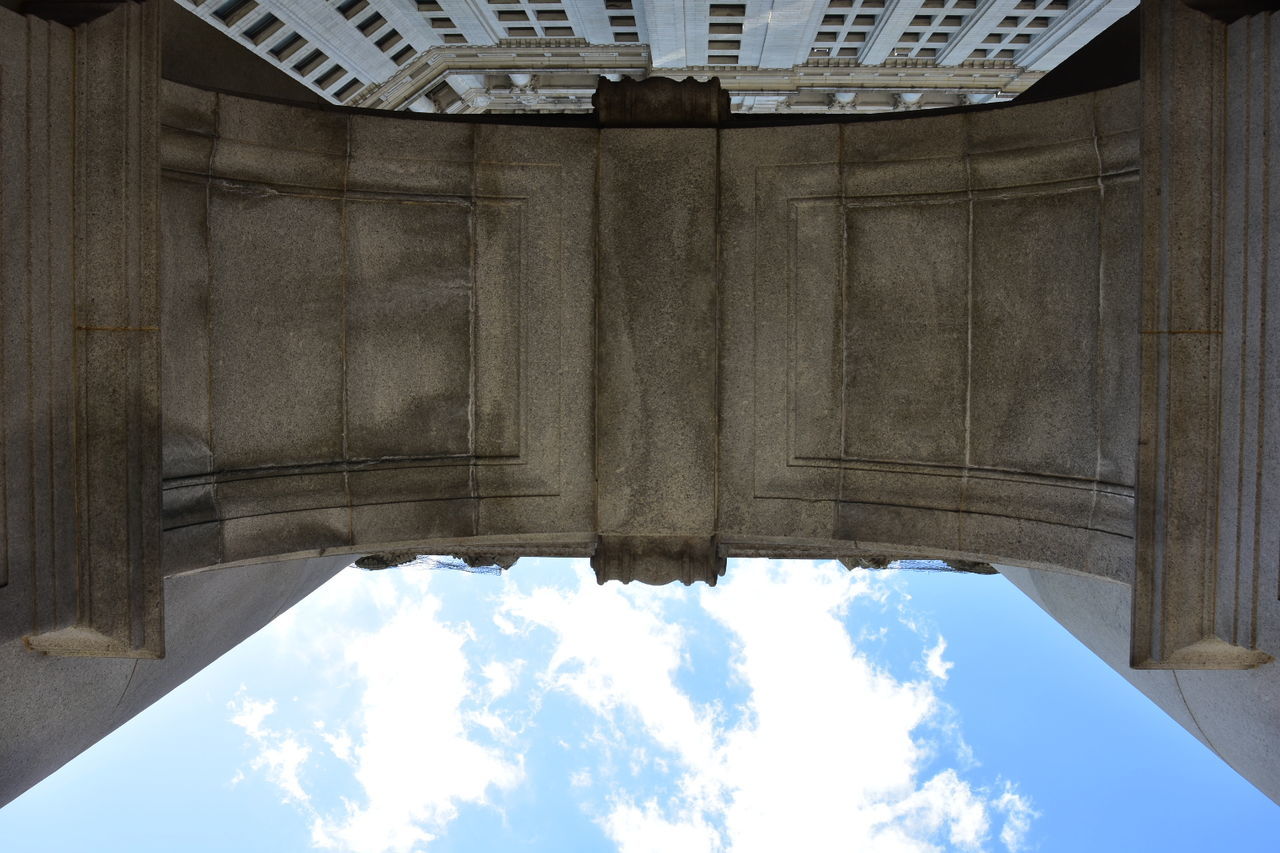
794,706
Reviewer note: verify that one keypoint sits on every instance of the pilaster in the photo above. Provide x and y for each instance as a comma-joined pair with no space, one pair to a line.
1206,588
80,318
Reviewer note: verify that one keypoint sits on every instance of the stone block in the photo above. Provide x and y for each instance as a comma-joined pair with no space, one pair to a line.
408,329
276,328
307,532
396,482
390,155
280,492
194,547
413,521
1119,320
926,155
906,332
898,529
184,332
1034,363
900,485
188,108
262,142
656,381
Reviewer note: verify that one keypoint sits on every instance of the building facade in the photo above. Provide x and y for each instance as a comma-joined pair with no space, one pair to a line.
520,56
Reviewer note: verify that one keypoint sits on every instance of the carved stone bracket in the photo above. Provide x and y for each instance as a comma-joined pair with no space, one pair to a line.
661,102
657,560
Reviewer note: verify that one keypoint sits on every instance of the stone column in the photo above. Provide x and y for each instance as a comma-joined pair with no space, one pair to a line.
79,306
1207,585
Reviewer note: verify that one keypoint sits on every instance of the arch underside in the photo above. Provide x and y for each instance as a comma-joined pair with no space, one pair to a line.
913,338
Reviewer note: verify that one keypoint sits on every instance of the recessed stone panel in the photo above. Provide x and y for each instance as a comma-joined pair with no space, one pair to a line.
1119,320
906,336
408,328
276,328
1033,400
184,281
816,329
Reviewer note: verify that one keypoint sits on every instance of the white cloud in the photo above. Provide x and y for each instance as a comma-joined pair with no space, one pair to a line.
409,742
828,750
250,714
340,744
644,829
1018,816
934,663
500,677
280,754
829,755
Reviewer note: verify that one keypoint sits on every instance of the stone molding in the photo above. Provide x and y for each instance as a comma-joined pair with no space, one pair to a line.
1207,586
81,323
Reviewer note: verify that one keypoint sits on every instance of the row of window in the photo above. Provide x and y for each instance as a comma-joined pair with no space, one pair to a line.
520,22
371,27
848,24
259,31
724,33
622,20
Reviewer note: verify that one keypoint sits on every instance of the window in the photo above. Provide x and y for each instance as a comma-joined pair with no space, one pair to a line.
233,11
347,89
263,28
388,41
309,62
288,46
328,78
371,24
350,8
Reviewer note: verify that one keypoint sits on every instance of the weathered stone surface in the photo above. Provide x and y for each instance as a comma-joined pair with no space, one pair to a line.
79,304
657,347
1207,591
